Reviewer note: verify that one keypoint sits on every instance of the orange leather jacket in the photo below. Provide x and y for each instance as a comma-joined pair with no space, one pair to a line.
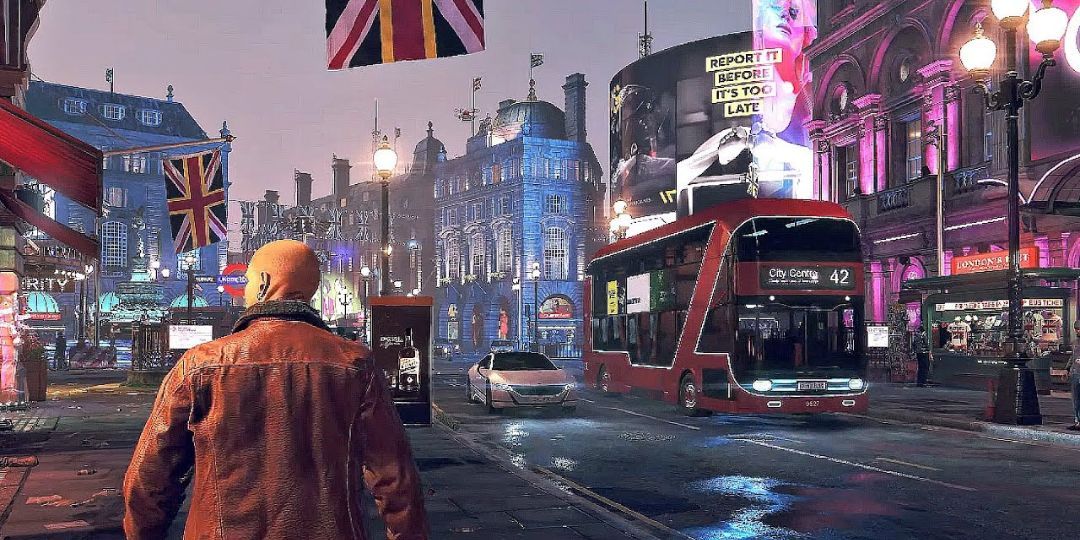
282,422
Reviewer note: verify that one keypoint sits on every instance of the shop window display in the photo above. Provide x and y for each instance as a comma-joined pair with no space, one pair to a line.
981,328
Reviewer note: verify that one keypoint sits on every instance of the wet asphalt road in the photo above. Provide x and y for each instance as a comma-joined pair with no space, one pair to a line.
784,477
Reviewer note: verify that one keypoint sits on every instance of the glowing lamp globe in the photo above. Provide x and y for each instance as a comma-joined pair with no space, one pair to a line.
619,206
978,54
1009,12
365,271
385,159
1046,27
624,220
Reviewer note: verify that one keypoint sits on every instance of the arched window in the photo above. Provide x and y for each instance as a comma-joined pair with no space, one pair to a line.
114,245
556,253
477,251
504,260
453,259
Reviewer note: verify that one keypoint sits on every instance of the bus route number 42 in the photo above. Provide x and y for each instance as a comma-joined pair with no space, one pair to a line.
841,276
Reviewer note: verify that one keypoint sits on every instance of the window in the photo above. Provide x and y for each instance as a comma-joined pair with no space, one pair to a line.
453,259
914,149
556,254
505,205
572,170
135,164
496,173
114,244
557,170
188,259
366,197
115,196
105,163
988,140
848,158
149,117
74,106
112,111
477,250
504,260
554,204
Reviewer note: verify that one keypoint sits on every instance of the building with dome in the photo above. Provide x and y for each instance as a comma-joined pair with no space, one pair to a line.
525,195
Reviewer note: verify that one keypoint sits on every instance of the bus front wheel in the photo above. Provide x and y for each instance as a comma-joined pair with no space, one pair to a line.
603,382
688,397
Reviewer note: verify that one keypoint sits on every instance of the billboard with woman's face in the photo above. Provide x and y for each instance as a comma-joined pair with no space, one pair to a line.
724,115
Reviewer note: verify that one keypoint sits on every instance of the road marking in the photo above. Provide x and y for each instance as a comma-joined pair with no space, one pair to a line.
608,502
861,466
687,426
898,462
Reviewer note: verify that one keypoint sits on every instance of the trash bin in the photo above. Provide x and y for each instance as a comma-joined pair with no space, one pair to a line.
37,378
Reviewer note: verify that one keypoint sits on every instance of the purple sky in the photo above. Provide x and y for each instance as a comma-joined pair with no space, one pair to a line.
260,65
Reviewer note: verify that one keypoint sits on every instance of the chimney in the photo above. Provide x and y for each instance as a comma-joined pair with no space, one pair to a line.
303,188
341,176
575,107
270,197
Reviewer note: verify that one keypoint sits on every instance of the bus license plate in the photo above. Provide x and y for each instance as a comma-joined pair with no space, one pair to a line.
811,385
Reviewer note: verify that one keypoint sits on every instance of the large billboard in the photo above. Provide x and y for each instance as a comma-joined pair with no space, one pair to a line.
1056,112
718,118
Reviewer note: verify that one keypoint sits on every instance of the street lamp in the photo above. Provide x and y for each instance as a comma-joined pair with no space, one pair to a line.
385,160
344,298
621,222
221,295
365,274
535,275
189,263
1016,401
414,260
516,287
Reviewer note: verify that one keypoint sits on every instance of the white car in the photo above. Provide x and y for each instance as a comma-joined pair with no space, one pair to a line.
520,379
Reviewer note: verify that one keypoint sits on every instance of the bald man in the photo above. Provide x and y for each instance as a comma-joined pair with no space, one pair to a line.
283,423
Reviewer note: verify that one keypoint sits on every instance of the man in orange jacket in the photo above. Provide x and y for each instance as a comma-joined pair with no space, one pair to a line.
283,422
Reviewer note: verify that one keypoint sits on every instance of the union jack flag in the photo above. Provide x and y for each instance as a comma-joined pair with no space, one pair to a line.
366,32
195,189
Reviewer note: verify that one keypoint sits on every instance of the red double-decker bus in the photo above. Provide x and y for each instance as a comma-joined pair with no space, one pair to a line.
751,306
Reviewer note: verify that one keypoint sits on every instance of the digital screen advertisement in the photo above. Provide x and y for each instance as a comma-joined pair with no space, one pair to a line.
717,119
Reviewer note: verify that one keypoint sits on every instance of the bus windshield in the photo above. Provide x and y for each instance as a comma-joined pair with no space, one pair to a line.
797,239
809,339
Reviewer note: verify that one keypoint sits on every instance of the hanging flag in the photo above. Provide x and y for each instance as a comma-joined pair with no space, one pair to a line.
195,189
476,84
536,60
366,32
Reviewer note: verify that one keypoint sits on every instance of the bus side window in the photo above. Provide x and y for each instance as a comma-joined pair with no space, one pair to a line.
632,337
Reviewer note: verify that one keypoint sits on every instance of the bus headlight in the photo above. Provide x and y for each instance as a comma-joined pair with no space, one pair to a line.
762,385
856,384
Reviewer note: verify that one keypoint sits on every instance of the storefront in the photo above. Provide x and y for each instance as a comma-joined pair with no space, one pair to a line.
966,318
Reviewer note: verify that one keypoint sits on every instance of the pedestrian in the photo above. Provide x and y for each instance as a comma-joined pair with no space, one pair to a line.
281,421
1074,377
922,355
60,351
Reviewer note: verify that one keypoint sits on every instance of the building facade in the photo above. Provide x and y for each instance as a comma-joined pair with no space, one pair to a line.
525,195
344,228
135,222
886,74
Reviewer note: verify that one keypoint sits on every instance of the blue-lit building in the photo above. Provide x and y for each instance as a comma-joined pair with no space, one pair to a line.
134,188
525,194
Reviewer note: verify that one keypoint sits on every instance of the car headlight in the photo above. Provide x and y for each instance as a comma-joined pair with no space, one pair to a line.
762,385
571,386
856,384
501,386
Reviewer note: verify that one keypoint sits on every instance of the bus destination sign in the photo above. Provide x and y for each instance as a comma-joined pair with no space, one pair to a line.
807,277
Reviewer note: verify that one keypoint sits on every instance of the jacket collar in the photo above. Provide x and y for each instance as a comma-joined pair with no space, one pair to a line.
289,310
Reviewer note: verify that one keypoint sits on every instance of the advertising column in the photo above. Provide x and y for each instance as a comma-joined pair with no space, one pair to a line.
401,332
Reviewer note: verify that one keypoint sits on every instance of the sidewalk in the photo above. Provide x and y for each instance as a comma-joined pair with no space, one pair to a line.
966,409
91,423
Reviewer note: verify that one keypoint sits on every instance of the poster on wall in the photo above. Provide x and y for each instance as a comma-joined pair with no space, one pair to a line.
717,119
613,298
638,298
401,345
1057,112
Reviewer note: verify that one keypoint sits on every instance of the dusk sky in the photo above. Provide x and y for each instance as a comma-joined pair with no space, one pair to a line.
260,65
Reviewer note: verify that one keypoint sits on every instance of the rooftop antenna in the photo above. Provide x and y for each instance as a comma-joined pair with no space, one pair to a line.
645,40
109,78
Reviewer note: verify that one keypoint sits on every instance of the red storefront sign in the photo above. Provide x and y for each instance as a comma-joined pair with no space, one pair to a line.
997,260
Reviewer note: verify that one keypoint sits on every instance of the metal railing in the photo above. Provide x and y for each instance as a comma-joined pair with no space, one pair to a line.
967,179
893,199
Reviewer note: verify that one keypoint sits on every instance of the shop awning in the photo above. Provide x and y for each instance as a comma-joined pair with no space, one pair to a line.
989,280
55,159
1058,191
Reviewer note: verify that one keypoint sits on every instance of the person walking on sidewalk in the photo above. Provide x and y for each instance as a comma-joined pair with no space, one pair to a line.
60,351
281,420
922,355
1074,378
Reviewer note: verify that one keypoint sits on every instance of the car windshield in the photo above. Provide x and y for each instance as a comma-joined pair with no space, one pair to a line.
521,362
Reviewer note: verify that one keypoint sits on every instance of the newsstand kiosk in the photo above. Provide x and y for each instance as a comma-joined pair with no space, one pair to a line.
966,321
401,331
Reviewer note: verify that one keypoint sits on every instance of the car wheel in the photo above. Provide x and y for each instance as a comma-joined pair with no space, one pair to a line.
469,391
490,404
688,397
603,382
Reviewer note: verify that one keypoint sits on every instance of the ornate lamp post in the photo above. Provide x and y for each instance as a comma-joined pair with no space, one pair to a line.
535,276
189,263
344,298
220,295
1017,401
365,274
385,160
516,287
621,222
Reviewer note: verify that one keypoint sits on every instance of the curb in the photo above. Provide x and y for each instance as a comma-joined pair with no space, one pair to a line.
550,486
975,426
